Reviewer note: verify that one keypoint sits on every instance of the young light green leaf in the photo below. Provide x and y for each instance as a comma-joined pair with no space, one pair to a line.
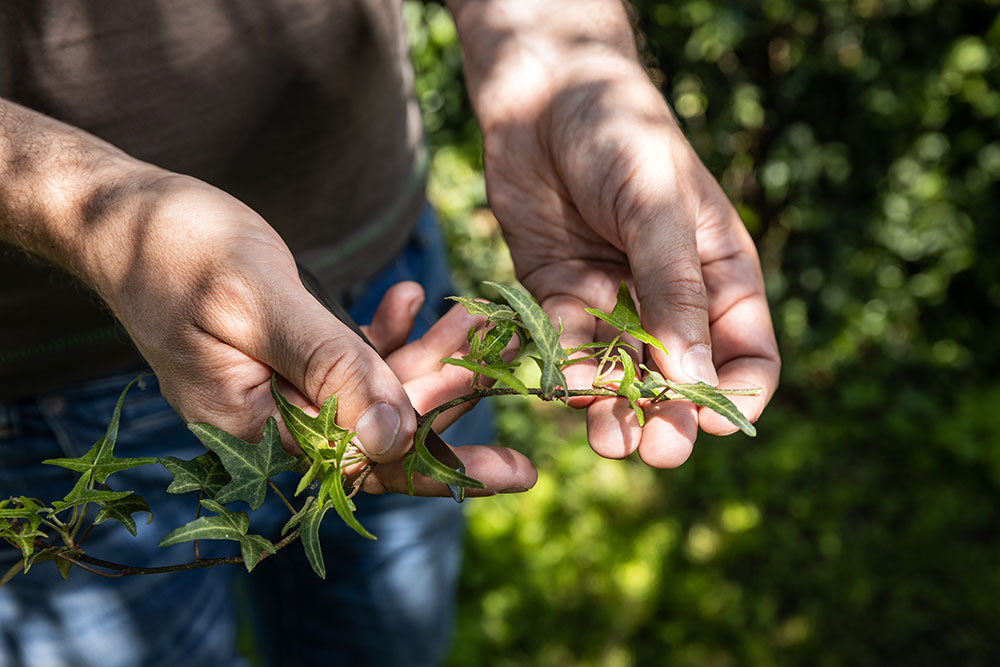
628,388
249,465
313,517
202,473
309,475
25,541
122,510
26,509
625,317
710,397
81,494
226,525
499,373
100,459
311,433
542,332
494,312
333,488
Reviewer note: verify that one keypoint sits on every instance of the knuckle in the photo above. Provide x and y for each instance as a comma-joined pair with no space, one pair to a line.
333,365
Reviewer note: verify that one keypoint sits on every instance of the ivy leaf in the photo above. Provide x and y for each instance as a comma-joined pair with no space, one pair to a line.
421,461
81,494
710,397
311,433
28,510
653,384
627,387
625,317
333,488
311,520
494,341
494,312
249,465
500,373
122,511
298,516
546,337
202,473
100,460
226,525
25,541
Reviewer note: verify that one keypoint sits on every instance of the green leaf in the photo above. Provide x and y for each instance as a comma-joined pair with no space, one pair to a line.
543,333
311,433
202,473
81,494
298,516
226,525
100,460
493,343
625,317
500,373
122,510
12,572
313,517
710,397
421,461
652,385
334,487
249,465
309,476
25,541
494,312
628,388
28,510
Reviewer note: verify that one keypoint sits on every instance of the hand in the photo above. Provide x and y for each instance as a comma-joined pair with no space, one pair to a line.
429,383
593,182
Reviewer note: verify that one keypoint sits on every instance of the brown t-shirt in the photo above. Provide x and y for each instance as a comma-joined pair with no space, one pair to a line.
303,109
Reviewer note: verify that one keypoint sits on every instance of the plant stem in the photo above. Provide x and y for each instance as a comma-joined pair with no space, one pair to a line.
283,498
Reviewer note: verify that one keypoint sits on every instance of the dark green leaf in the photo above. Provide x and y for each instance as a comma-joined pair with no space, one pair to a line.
226,525
421,461
202,473
500,373
494,312
543,333
313,517
625,317
627,386
494,341
249,465
122,510
710,397
100,460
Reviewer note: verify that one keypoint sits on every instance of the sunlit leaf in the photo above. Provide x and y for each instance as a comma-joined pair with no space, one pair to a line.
710,397
81,494
249,465
421,461
625,317
494,312
311,520
542,332
311,433
500,373
627,387
100,460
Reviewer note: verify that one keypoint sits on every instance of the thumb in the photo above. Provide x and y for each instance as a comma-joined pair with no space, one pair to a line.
321,357
673,300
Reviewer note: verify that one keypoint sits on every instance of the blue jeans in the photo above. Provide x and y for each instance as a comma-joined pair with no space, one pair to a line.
387,602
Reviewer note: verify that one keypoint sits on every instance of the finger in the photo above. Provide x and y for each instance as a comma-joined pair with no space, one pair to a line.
294,334
502,470
393,319
444,338
669,433
612,428
673,300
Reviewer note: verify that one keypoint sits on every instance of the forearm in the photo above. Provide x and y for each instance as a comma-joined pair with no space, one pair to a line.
520,55
65,195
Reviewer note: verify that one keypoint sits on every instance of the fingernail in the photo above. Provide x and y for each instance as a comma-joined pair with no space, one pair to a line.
513,489
697,363
377,428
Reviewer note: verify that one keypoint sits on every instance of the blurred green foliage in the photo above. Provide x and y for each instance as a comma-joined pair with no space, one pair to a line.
860,142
